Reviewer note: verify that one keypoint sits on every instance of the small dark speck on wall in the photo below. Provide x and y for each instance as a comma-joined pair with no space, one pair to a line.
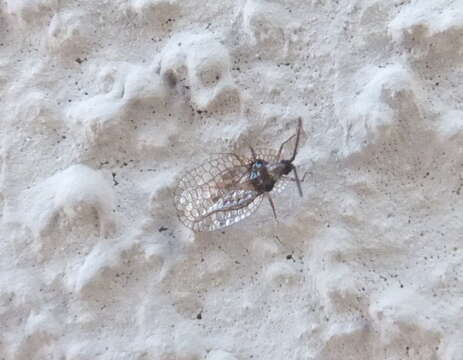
114,179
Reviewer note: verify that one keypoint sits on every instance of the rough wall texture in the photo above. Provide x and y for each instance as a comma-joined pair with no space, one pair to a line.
103,104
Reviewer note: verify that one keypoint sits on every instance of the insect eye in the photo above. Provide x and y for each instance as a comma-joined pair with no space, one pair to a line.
259,163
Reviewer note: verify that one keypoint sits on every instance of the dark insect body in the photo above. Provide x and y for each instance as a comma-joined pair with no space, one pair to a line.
229,188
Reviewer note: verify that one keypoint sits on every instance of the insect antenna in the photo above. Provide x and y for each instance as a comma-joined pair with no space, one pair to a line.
283,145
253,152
298,183
299,126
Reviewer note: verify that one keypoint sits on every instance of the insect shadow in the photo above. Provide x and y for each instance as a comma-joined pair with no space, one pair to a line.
230,187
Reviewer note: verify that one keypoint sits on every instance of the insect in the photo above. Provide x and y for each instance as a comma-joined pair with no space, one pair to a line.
230,187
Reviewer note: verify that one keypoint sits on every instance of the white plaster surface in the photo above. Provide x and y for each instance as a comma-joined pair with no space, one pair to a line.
103,104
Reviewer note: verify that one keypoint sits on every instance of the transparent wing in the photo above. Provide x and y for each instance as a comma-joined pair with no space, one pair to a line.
216,194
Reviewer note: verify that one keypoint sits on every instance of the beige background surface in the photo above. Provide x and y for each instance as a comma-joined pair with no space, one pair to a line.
103,104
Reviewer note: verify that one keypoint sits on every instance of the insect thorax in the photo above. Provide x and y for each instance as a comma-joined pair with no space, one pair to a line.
260,177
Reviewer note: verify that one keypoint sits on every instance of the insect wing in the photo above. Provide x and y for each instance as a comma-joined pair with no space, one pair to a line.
216,194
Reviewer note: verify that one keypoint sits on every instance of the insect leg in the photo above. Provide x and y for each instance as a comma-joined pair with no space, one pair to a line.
282,145
303,177
272,205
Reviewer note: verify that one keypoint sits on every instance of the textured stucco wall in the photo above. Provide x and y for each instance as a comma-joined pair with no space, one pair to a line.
103,104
